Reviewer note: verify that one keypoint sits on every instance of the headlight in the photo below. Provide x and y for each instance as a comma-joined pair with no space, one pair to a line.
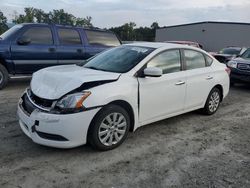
73,101
232,64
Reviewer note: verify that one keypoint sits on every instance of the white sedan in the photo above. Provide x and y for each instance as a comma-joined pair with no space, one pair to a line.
117,91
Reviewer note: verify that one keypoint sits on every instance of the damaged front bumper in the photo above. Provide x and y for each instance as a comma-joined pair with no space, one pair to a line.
55,130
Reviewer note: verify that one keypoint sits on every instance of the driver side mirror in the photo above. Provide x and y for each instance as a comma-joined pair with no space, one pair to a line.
152,72
23,40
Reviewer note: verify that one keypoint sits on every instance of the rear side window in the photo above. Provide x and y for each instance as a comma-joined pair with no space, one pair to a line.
168,61
39,35
194,59
209,60
69,37
102,38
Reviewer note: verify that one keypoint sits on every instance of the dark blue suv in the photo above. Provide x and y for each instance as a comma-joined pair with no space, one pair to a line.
26,48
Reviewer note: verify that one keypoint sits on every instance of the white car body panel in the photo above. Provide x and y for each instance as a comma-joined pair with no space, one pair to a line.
199,84
167,89
144,95
54,82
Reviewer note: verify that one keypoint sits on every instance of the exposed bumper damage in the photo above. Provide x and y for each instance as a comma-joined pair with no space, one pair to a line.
56,130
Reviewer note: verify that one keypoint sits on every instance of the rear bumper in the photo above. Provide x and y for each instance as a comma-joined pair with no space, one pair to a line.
56,130
239,76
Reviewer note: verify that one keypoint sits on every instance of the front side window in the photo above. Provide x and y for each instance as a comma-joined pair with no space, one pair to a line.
194,59
39,35
69,37
102,38
119,59
168,61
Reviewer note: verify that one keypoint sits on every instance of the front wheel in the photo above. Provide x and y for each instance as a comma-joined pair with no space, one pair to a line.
109,128
213,102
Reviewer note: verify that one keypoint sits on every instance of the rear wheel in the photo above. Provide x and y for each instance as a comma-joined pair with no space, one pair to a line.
213,102
109,128
4,76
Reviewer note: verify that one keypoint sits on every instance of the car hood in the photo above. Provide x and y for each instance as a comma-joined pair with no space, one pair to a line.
241,60
54,82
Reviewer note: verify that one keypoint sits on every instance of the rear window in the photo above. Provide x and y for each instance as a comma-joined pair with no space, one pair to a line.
231,51
102,38
209,60
69,37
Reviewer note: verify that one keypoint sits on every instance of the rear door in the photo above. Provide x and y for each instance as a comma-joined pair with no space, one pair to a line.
199,78
165,95
70,49
39,53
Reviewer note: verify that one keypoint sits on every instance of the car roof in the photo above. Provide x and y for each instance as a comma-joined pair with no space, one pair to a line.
182,42
68,26
155,45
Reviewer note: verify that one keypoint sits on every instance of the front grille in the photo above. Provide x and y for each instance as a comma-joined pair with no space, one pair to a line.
243,66
45,103
32,102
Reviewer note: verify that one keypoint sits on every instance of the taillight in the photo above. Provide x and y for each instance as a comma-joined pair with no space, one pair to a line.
228,70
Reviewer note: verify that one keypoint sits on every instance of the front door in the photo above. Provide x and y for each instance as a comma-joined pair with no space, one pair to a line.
38,54
165,95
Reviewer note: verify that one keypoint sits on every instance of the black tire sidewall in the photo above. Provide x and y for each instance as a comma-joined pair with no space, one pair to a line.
5,74
206,109
93,138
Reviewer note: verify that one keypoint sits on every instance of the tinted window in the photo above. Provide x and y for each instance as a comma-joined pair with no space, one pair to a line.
39,35
69,36
209,60
194,59
246,54
119,59
168,61
102,38
231,51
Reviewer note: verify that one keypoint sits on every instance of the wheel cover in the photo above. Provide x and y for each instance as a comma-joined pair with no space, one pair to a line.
112,129
1,77
214,101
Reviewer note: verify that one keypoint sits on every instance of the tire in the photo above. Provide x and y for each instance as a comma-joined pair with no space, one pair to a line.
213,102
4,77
104,134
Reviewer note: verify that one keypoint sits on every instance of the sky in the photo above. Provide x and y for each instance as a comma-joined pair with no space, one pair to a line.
110,13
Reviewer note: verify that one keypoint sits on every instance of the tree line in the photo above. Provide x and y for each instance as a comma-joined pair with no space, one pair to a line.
126,32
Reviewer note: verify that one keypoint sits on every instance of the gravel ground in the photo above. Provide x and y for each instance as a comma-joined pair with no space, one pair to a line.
189,150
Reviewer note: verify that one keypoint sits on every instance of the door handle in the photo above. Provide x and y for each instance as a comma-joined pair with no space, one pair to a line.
179,83
52,49
209,78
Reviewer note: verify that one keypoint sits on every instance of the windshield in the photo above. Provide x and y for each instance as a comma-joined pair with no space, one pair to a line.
120,59
231,51
9,32
246,54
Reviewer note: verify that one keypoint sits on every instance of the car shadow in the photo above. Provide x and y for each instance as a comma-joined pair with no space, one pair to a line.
18,82
241,86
